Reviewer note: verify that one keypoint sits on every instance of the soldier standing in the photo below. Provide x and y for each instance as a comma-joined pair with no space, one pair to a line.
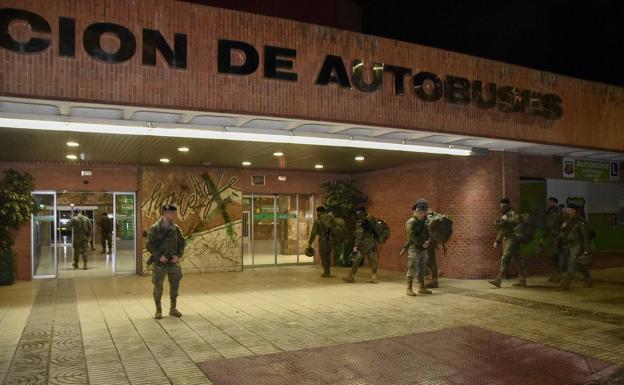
506,232
83,231
432,262
549,245
166,245
417,233
365,245
106,229
322,228
575,236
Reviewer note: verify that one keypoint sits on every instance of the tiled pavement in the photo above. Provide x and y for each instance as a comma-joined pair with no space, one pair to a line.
101,330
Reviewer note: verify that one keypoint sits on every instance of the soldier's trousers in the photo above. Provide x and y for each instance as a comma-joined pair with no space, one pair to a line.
573,265
107,239
174,275
325,252
511,254
81,249
371,255
432,263
416,263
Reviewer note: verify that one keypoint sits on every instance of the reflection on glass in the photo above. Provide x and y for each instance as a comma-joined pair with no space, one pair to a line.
247,252
124,232
287,236
43,243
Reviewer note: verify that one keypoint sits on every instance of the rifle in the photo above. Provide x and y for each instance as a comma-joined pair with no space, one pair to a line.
405,246
150,260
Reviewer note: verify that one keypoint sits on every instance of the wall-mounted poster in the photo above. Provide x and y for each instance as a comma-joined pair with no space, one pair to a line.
209,213
591,170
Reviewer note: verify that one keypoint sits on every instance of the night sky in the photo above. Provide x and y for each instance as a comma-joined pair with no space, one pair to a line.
583,39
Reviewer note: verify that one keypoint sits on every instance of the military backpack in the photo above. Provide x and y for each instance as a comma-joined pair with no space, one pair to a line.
339,231
440,227
381,230
525,229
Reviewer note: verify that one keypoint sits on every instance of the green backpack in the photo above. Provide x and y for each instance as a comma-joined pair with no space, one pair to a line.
524,230
339,231
440,227
381,230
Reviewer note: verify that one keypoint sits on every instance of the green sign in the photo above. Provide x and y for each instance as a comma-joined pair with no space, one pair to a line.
270,216
592,170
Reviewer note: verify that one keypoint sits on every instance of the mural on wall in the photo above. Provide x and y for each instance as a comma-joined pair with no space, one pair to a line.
209,213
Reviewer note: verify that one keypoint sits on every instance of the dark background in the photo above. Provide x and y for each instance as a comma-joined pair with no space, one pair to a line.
583,39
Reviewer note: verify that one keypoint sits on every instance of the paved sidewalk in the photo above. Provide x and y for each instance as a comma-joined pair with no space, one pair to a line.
101,330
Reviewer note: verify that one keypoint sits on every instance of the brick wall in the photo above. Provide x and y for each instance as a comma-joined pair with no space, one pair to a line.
48,75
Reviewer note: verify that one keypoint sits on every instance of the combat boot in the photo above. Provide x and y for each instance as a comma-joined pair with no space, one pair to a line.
173,311
84,265
349,278
589,282
497,281
421,287
565,282
434,280
373,278
75,265
158,314
521,281
410,291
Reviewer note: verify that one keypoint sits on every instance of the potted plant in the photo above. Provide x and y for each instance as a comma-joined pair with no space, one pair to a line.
16,207
342,198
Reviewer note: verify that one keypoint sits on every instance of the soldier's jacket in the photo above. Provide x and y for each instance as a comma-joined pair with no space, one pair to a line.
417,232
575,236
505,227
553,222
82,228
165,242
106,225
322,227
364,234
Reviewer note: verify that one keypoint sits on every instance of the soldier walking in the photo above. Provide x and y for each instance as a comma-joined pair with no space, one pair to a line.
322,227
166,246
575,237
365,245
81,226
549,246
106,229
417,233
506,232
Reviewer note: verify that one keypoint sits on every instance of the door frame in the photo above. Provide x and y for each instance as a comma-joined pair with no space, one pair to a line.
54,241
134,221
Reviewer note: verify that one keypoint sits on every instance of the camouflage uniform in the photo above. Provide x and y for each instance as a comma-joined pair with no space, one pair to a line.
322,228
549,245
167,242
506,231
575,237
366,243
417,233
81,225
106,228
432,262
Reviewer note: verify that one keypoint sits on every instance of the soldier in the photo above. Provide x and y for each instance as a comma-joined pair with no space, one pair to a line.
417,233
106,229
83,231
506,232
432,263
549,244
575,237
322,227
365,245
166,245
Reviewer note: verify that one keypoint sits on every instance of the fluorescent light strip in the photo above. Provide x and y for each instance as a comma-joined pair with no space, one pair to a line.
196,133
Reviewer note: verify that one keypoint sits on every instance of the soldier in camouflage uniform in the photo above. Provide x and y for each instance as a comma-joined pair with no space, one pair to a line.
166,245
549,245
575,237
322,228
81,225
106,229
417,233
506,231
365,245
432,262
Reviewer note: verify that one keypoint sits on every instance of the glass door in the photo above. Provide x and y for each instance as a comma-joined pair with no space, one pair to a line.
124,232
263,230
287,236
44,235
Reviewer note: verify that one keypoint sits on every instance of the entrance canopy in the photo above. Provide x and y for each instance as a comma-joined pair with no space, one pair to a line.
44,130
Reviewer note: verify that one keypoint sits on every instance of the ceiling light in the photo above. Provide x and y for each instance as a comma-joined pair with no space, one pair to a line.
71,156
199,132
245,163
73,144
319,166
359,158
183,149
278,154
164,160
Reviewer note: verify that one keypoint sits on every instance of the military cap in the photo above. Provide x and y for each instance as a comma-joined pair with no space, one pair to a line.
505,201
575,202
169,208
320,209
421,204
553,199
